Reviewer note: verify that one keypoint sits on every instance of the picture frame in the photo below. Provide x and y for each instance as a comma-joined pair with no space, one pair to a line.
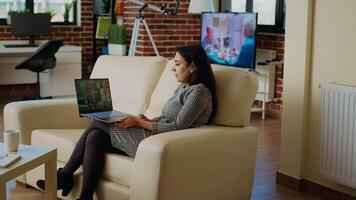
102,27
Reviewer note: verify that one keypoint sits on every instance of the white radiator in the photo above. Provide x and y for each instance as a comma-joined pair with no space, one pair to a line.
338,133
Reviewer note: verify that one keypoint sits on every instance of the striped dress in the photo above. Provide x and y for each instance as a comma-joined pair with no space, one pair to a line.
189,107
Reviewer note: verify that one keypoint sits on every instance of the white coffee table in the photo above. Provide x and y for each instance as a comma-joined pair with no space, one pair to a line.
32,157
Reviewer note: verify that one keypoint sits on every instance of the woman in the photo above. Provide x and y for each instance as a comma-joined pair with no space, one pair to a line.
193,104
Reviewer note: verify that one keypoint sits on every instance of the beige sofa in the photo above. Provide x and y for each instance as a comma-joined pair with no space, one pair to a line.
213,162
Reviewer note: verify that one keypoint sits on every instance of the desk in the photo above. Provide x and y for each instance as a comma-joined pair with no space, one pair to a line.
56,82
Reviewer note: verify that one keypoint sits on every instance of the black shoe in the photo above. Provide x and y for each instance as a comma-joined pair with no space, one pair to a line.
65,182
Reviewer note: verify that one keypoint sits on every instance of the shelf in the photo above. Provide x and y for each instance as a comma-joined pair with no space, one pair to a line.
257,109
265,73
103,14
115,19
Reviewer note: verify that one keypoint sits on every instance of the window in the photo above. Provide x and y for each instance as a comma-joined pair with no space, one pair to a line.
55,7
238,5
266,12
8,5
270,12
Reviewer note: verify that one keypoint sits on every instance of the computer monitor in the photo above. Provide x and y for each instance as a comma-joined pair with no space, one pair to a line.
30,25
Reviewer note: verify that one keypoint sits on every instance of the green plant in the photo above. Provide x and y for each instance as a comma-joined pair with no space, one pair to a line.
117,34
51,12
10,12
67,8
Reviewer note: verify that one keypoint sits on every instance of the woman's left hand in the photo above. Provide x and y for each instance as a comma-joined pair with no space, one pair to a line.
128,122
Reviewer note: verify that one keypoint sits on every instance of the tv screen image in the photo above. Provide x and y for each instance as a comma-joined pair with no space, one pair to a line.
230,38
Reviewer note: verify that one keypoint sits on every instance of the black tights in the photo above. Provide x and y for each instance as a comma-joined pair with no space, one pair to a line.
90,151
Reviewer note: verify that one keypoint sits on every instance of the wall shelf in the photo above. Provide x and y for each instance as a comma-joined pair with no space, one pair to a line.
266,78
115,19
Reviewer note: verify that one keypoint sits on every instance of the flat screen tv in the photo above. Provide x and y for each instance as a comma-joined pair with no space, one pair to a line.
230,38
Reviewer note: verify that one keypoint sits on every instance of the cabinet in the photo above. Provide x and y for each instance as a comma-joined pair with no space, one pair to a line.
57,82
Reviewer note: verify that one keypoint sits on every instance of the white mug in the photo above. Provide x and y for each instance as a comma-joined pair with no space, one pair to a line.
11,140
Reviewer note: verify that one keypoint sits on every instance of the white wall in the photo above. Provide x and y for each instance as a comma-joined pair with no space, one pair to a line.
295,85
332,58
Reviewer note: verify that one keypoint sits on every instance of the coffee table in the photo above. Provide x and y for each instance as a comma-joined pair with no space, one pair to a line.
32,157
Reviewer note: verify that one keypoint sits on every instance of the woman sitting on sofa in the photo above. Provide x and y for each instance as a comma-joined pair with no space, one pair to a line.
193,104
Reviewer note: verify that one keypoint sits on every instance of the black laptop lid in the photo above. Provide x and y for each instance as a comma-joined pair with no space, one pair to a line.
93,95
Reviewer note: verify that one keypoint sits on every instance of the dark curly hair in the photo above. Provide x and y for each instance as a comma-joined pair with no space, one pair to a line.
203,73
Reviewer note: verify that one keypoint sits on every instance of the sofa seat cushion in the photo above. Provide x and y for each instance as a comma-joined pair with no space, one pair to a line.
117,167
62,139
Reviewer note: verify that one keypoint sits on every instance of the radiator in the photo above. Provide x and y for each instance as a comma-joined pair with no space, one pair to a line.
338,133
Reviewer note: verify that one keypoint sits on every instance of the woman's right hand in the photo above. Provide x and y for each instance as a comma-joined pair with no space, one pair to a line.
156,119
142,116
132,121
128,122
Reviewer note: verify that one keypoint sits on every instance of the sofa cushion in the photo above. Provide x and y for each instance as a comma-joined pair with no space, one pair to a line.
132,79
117,167
63,140
235,89
164,90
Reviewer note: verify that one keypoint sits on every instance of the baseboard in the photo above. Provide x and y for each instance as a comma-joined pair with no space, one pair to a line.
303,185
290,182
325,192
22,184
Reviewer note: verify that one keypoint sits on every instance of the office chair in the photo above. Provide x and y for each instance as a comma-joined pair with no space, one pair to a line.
43,58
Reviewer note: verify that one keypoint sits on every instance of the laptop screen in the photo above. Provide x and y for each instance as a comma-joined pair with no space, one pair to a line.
93,95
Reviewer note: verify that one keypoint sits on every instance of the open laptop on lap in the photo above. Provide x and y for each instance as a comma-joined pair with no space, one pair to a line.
94,100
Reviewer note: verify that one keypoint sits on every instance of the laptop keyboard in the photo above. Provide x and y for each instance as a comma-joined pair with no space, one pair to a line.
104,115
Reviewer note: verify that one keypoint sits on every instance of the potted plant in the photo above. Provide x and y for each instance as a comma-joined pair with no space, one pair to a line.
8,18
11,12
116,40
67,7
51,13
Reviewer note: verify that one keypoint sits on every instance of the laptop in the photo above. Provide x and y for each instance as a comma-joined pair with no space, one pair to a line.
94,100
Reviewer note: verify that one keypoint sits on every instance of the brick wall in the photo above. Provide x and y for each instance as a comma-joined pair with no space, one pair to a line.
73,35
168,31
171,31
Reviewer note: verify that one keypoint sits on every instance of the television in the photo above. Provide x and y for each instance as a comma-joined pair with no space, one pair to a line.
230,38
30,25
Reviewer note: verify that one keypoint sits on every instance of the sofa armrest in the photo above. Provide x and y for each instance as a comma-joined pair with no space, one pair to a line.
27,116
209,162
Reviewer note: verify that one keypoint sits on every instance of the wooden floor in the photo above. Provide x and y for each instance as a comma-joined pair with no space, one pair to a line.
264,187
